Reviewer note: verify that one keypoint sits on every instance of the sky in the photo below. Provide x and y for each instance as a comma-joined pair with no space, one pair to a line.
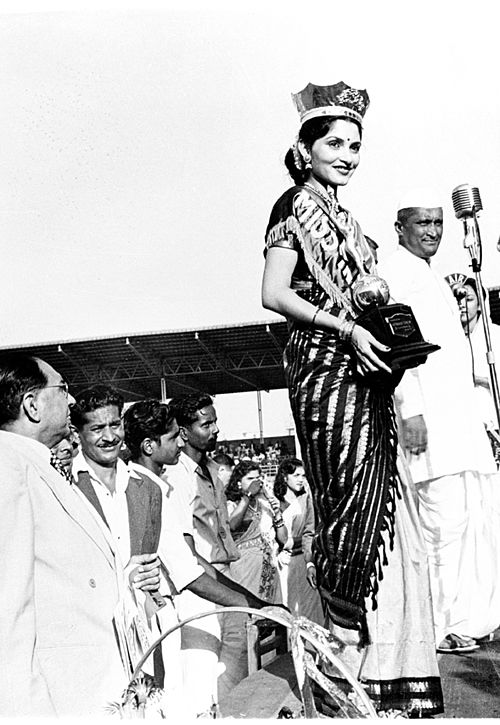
143,143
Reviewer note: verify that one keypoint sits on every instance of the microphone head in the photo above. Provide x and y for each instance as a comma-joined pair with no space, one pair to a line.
459,292
466,201
456,280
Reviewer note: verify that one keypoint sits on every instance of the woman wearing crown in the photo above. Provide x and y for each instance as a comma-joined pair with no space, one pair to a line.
370,558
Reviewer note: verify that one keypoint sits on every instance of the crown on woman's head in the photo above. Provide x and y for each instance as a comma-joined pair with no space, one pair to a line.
337,100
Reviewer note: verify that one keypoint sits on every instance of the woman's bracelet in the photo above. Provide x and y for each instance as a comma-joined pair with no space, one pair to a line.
279,525
313,320
345,330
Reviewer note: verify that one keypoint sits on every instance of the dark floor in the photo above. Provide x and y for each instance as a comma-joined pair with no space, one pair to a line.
471,682
471,686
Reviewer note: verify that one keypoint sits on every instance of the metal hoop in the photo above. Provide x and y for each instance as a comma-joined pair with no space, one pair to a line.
335,661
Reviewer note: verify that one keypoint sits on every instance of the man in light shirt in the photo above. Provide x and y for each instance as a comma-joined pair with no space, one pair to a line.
446,446
198,495
128,506
60,577
153,438
133,500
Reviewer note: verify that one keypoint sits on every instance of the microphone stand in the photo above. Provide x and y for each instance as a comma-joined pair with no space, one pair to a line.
472,242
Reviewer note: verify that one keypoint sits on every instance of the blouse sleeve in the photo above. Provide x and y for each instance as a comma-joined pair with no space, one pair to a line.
282,230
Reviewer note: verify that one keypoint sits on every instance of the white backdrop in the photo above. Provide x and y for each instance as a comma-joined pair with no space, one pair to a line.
142,147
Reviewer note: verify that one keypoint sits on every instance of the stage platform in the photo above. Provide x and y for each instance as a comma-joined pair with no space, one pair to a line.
471,686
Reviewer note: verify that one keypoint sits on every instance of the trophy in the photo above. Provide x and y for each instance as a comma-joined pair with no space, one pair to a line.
393,325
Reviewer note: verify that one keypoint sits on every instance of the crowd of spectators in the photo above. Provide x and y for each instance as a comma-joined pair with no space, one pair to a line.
270,454
118,526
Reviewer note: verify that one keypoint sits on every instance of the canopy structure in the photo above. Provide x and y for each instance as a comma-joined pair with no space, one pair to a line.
214,360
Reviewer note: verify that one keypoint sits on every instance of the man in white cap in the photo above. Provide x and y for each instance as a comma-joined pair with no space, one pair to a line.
444,439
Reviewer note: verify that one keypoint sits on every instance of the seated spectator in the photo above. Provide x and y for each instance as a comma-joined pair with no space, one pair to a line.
258,530
296,565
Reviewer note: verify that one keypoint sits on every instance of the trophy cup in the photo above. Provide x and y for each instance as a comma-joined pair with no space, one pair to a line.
393,325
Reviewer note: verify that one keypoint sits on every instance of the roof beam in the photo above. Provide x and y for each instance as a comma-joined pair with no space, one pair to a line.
273,337
223,366
139,354
74,362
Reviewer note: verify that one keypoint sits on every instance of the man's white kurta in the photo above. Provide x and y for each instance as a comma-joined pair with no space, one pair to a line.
441,389
455,476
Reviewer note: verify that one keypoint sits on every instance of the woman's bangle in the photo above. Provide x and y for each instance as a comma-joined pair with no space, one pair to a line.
279,525
345,330
313,320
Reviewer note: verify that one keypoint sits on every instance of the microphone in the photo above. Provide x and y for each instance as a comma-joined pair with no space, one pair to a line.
459,292
466,201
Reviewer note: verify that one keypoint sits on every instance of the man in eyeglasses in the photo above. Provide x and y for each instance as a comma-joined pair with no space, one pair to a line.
58,579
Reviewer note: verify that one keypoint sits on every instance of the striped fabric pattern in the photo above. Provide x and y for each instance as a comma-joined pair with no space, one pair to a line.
348,440
346,427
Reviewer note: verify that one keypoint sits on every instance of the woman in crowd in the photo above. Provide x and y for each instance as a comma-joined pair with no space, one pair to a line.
470,314
258,530
295,562
315,255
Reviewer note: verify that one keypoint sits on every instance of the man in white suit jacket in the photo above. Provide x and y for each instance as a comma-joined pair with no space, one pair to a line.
59,577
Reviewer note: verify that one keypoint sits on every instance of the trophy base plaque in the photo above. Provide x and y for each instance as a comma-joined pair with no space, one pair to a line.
395,326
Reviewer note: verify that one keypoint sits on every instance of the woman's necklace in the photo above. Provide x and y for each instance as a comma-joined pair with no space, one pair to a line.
328,201
253,507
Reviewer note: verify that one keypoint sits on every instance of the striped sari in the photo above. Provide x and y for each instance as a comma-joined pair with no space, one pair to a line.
346,427
347,433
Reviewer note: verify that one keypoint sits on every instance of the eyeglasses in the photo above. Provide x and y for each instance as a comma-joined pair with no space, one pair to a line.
63,386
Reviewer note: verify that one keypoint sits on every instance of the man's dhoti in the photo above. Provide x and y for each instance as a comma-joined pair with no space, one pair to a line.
460,518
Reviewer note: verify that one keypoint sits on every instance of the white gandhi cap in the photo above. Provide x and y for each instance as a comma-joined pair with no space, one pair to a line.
426,198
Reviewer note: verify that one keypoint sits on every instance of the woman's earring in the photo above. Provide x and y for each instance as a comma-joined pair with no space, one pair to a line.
307,160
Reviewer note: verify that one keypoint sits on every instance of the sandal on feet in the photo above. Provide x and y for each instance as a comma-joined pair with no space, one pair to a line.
454,644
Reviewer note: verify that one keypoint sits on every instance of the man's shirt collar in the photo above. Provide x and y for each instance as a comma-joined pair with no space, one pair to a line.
123,472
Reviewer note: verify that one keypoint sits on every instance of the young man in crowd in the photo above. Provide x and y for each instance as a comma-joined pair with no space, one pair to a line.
133,501
198,495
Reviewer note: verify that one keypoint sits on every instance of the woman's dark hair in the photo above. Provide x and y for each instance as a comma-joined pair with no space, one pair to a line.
310,132
471,282
233,491
146,419
19,374
287,466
